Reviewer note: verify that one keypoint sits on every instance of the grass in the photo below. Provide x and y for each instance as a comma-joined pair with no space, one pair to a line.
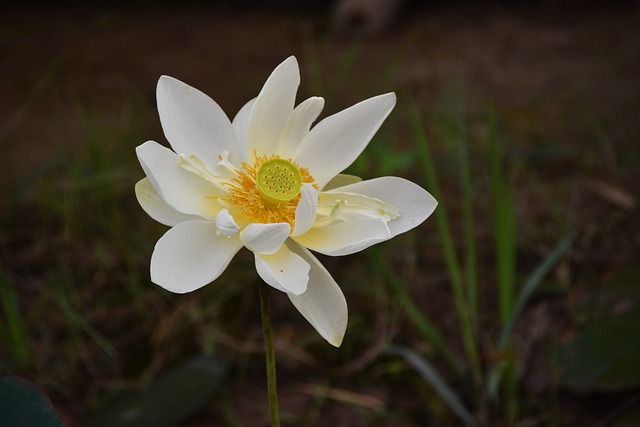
465,280
13,331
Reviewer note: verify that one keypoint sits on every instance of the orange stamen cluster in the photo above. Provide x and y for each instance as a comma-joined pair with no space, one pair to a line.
245,198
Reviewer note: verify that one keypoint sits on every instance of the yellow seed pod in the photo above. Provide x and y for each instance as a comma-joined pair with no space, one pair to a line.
278,180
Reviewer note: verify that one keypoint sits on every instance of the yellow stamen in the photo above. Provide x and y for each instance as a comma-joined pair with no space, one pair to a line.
258,196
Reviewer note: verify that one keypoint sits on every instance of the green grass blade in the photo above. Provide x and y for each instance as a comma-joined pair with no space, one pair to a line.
431,179
76,320
425,327
530,285
344,66
471,254
12,326
503,209
431,376
444,231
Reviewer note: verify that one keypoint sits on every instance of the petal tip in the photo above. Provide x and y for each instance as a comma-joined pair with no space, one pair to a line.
290,64
391,96
161,279
291,59
336,341
165,81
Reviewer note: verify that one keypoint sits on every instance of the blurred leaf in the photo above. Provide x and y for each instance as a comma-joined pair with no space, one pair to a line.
22,404
170,400
620,294
12,327
604,356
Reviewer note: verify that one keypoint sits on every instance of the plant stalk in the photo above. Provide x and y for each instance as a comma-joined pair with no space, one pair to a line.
270,355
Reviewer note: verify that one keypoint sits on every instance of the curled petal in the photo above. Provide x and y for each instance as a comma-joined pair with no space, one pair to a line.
306,210
335,142
344,238
191,255
322,304
240,124
155,206
272,108
297,126
265,238
218,176
182,190
225,223
193,123
414,203
284,270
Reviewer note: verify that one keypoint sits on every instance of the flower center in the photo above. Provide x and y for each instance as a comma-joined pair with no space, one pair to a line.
267,191
278,180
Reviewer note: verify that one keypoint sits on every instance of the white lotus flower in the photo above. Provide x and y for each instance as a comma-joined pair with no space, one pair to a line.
271,183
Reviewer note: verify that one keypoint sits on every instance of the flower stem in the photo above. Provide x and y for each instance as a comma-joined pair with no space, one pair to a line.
270,355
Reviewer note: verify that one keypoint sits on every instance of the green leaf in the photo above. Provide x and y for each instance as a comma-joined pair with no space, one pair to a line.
22,404
169,401
604,356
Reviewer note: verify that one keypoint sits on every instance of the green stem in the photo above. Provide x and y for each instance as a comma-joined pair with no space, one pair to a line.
270,355
453,266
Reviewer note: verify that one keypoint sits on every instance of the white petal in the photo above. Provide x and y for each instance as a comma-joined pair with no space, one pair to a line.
272,108
284,270
414,203
225,223
156,207
193,123
265,238
182,190
297,127
240,124
335,142
344,238
306,210
323,304
191,255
